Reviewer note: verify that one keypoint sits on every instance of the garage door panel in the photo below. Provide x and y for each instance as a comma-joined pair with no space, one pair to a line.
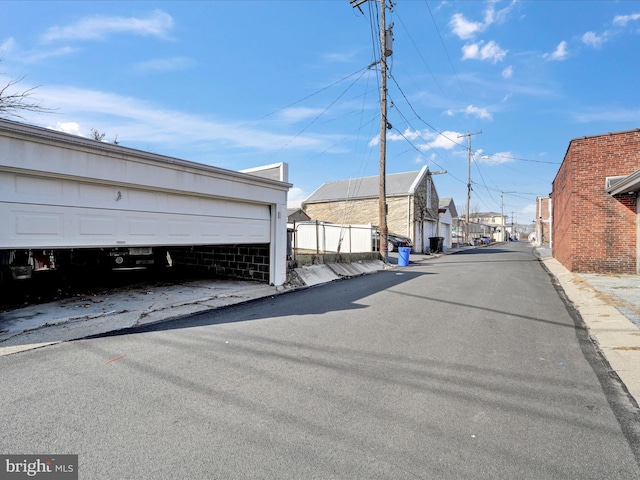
67,213
36,190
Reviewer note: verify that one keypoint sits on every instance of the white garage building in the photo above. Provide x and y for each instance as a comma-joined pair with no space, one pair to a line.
61,191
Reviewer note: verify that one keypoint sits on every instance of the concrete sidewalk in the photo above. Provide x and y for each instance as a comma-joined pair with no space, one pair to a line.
609,305
610,308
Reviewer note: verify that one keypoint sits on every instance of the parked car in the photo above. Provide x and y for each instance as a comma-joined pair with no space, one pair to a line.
393,241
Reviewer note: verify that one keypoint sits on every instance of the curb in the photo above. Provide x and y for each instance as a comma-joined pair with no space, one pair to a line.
614,336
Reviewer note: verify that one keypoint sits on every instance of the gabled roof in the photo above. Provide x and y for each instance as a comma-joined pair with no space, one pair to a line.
297,215
447,203
396,184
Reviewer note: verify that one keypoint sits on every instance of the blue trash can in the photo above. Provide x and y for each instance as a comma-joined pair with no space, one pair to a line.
403,256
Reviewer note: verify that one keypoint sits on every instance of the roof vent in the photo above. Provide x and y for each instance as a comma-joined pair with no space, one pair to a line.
611,181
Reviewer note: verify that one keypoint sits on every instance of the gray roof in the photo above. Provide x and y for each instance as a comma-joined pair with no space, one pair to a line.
450,204
444,202
485,214
396,184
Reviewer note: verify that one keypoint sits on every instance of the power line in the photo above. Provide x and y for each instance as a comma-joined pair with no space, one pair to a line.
446,51
421,57
498,155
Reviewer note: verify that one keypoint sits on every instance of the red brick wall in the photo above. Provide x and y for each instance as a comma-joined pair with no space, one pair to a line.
543,226
594,232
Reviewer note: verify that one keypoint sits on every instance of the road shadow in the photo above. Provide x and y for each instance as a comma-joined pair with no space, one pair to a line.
316,300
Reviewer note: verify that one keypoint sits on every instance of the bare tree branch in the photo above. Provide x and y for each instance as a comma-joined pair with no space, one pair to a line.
13,102
96,135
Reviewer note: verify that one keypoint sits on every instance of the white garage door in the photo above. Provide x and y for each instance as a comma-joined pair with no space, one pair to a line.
73,213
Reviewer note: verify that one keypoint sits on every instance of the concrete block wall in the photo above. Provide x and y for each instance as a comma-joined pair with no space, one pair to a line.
248,262
594,232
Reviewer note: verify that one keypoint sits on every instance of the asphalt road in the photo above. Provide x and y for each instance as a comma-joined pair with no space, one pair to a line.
469,366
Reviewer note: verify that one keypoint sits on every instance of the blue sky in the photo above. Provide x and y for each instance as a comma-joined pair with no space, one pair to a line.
239,84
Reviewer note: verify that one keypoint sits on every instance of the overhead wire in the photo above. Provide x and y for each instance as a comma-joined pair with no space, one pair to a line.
360,71
446,50
420,55
373,21
416,148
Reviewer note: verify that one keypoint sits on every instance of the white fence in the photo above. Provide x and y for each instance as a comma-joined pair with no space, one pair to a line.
322,237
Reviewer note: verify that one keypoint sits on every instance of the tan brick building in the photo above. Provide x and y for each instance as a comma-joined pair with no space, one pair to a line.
411,197
594,204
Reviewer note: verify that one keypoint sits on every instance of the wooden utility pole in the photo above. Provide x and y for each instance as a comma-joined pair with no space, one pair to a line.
468,135
502,215
382,197
504,226
385,51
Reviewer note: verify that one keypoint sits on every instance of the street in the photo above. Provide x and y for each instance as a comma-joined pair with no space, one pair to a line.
468,366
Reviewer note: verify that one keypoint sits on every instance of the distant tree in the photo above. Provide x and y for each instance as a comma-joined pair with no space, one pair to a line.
99,136
96,135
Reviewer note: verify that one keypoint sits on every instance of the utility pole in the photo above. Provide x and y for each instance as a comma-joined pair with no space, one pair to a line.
382,197
502,214
385,51
468,135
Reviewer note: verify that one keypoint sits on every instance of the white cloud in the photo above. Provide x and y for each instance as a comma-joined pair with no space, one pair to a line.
479,51
477,112
560,53
622,20
157,24
464,28
495,158
431,140
507,72
164,64
43,55
134,120
501,15
297,114
408,134
529,211
295,197
593,40
471,111
446,141
68,127
10,46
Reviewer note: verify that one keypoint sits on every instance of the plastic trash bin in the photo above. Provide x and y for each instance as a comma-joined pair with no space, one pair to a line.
403,256
436,244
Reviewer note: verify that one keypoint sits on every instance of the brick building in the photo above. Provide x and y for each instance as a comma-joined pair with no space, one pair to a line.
542,235
411,197
594,197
